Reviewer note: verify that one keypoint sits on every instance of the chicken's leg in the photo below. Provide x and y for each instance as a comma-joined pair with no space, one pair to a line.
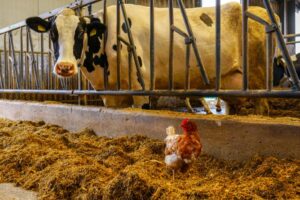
173,174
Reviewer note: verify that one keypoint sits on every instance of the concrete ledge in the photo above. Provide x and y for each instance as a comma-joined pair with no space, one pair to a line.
226,137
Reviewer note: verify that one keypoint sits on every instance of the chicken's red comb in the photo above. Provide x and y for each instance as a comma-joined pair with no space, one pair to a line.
184,122
188,125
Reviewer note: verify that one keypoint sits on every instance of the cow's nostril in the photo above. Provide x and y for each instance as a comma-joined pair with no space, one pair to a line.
65,69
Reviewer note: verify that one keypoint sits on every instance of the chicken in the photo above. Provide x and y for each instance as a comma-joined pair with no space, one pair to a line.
181,150
189,145
171,159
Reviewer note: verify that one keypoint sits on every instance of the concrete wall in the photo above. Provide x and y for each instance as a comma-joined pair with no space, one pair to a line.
226,137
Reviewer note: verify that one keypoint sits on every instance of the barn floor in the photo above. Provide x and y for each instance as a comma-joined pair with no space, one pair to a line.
60,165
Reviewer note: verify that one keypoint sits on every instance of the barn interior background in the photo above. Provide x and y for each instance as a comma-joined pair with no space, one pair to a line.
30,67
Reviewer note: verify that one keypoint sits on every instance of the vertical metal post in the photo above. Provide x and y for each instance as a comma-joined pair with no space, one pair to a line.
21,58
129,68
105,74
50,57
285,17
269,60
14,60
5,63
152,46
42,61
27,58
118,46
34,66
218,44
282,46
198,3
1,72
171,44
245,44
187,67
90,8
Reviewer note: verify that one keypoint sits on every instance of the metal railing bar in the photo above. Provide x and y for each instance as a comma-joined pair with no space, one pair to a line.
198,93
42,61
152,45
129,68
218,44
187,67
105,74
5,61
257,19
131,41
171,43
269,60
9,67
1,72
14,60
21,61
179,31
193,41
245,44
33,60
292,35
294,42
282,46
50,54
27,59
124,41
118,45
19,51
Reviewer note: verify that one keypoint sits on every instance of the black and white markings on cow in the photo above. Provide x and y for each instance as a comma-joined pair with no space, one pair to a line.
124,27
140,61
78,38
95,33
206,19
89,61
102,61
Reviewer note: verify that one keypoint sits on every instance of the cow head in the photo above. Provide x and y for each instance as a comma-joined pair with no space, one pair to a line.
281,75
71,36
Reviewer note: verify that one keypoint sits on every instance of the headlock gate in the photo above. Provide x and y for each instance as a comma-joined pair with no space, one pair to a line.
24,70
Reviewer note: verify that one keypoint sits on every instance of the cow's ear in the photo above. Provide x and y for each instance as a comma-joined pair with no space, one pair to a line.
38,24
96,28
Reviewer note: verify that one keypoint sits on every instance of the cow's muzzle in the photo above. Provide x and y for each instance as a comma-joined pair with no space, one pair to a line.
65,69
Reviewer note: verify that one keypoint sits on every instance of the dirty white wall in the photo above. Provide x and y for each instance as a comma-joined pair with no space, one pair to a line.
14,11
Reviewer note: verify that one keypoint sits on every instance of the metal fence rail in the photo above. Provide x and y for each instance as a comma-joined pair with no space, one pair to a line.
26,66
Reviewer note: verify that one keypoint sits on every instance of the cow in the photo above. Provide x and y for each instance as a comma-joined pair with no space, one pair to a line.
78,42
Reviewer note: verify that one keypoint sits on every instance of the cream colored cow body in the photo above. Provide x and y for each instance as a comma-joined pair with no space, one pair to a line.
231,41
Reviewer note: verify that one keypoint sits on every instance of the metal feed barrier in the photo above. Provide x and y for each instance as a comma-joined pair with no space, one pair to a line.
26,66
